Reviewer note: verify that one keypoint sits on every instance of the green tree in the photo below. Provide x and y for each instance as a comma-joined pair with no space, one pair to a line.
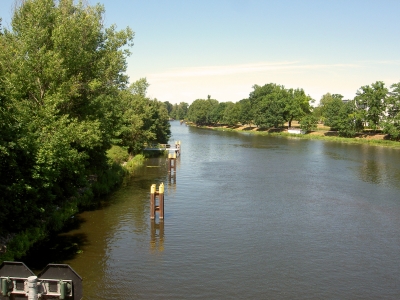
201,111
144,120
169,108
246,112
371,100
317,112
60,80
269,105
349,122
232,113
198,111
182,110
297,105
331,105
216,114
308,122
391,122
139,87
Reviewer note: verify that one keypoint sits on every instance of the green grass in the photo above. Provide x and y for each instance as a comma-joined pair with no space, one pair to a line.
362,141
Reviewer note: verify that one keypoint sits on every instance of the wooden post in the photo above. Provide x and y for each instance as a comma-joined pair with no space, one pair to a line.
152,201
161,201
160,206
172,178
171,162
178,147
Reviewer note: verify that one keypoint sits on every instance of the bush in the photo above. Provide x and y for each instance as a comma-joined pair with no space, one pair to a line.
308,123
118,154
136,161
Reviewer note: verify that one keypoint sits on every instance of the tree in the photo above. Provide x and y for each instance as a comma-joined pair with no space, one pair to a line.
181,110
201,111
232,113
308,123
139,87
269,105
143,120
198,111
349,121
331,105
371,101
60,79
391,121
216,114
297,105
169,108
246,113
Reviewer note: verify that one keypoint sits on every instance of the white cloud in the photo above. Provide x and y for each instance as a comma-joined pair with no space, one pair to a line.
234,82
242,69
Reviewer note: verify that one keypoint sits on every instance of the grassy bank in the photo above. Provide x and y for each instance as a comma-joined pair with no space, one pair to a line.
322,133
120,165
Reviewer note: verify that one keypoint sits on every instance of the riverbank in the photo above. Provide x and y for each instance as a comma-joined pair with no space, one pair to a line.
121,166
322,133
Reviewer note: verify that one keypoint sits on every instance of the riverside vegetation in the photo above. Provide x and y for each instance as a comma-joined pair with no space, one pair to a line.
68,119
374,113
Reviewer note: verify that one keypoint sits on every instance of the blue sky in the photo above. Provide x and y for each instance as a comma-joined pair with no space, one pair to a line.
188,49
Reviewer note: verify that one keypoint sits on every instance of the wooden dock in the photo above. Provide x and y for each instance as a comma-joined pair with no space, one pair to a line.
160,147
165,147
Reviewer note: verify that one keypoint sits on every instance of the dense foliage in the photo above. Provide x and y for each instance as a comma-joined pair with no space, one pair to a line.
64,102
177,111
374,107
270,105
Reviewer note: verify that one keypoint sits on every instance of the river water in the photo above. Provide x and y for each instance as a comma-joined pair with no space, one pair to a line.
249,217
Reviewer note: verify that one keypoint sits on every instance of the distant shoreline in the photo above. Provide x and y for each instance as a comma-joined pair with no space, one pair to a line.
373,139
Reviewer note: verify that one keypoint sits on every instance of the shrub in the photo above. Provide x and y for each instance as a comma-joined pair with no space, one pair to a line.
118,154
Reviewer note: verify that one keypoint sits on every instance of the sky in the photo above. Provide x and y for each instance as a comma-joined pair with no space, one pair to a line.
189,49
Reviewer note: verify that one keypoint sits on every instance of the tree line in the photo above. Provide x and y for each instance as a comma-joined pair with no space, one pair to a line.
270,105
64,101
177,111
375,107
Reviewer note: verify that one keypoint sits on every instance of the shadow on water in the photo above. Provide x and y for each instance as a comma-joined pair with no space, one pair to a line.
57,247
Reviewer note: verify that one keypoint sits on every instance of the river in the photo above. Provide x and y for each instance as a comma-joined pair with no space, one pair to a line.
249,217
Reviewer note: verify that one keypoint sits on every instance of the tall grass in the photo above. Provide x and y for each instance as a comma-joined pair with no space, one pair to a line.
133,163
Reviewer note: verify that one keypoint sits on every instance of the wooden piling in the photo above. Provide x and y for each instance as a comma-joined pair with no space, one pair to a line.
178,148
161,201
172,178
152,201
171,162
153,198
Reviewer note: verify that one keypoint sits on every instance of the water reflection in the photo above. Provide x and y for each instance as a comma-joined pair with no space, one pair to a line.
371,171
172,180
375,167
157,235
